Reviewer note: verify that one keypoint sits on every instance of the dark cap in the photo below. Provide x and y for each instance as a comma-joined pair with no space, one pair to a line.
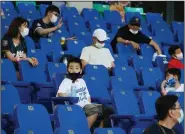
135,21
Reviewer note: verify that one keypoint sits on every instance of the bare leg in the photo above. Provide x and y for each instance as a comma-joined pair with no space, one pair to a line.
91,119
101,124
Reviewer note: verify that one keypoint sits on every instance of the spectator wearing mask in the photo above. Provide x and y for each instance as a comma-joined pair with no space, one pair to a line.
44,27
130,35
97,54
176,57
75,86
172,81
169,113
13,45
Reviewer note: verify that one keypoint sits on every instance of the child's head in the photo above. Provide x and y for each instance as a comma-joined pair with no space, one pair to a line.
175,52
74,66
173,72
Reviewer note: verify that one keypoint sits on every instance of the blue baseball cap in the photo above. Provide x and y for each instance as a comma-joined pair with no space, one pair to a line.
135,21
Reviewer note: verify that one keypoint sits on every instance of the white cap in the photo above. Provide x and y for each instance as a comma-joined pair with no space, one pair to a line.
100,34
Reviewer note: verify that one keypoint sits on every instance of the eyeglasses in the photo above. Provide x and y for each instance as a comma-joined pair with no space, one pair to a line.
177,107
56,14
100,41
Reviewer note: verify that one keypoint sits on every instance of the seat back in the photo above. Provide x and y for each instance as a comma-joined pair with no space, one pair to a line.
121,99
90,14
137,131
67,119
112,17
147,101
95,24
32,118
54,68
8,66
8,91
180,96
109,131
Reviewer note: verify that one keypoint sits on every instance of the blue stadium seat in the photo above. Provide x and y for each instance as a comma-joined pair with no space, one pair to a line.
182,76
140,62
95,24
147,51
147,101
117,82
127,50
32,118
49,46
67,120
109,131
137,131
7,66
3,132
96,87
153,17
90,14
162,63
54,68
129,111
42,9
115,28
29,43
8,9
77,24
27,9
120,60
112,17
86,36
108,45
9,91
62,32
165,51
150,76
75,47
180,96
68,11
7,5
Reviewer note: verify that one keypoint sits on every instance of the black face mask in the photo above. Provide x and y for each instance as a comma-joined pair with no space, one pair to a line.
74,76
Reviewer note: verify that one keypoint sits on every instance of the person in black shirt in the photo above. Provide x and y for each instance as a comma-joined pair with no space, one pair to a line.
130,35
13,45
169,113
44,27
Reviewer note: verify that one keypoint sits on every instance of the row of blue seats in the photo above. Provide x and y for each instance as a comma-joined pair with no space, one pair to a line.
77,23
70,114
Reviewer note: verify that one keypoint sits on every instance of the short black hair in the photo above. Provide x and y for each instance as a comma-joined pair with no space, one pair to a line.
14,26
52,8
163,104
172,49
174,71
74,60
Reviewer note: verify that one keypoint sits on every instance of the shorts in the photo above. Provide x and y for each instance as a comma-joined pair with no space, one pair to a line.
91,109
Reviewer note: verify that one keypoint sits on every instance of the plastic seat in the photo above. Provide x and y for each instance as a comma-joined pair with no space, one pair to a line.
42,9
90,14
32,118
109,131
95,24
112,17
85,36
67,120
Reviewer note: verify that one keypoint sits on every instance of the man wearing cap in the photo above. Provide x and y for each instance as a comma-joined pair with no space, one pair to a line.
97,54
169,113
130,35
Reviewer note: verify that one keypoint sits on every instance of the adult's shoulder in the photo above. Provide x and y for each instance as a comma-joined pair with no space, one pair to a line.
152,129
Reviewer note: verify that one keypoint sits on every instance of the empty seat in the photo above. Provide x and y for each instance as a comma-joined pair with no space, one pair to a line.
112,17
96,24
127,50
129,111
120,60
147,101
32,118
137,131
85,36
9,91
147,51
54,68
180,96
153,17
96,87
150,76
90,14
42,9
27,9
109,131
67,120
75,47
68,11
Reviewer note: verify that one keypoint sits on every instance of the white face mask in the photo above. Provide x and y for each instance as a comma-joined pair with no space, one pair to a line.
133,31
25,32
180,119
99,45
179,56
54,18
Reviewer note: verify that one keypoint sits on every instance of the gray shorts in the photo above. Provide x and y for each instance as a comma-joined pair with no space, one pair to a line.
91,109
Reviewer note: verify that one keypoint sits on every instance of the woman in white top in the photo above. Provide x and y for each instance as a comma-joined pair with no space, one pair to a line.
172,81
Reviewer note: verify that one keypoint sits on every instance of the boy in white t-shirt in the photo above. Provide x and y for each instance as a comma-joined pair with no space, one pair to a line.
75,86
172,82
97,54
